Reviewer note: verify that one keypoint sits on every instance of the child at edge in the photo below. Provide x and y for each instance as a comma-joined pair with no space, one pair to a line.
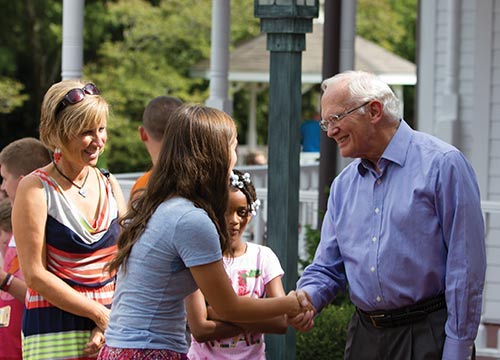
254,271
17,159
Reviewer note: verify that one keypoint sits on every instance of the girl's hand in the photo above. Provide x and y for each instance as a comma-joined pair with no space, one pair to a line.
294,307
305,320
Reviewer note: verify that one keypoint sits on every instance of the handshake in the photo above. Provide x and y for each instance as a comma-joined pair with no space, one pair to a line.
301,317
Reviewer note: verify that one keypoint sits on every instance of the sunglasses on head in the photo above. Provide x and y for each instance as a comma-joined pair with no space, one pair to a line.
76,95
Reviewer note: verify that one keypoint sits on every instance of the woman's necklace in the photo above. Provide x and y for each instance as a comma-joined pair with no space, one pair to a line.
80,188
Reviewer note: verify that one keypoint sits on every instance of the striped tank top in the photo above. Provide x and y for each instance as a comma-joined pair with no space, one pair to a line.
76,252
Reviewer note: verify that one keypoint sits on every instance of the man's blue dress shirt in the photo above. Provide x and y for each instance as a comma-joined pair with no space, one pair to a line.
409,233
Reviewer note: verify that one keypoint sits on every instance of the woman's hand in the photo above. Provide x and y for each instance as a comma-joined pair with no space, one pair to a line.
95,342
101,317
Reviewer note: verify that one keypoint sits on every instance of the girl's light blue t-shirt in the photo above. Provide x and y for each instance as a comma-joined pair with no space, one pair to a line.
148,308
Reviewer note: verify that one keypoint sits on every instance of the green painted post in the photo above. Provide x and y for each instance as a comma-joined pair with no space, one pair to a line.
283,179
286,27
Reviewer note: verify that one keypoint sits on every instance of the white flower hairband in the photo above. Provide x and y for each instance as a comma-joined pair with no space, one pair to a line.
254,207
236,182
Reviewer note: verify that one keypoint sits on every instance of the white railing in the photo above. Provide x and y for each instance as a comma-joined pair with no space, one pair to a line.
482,351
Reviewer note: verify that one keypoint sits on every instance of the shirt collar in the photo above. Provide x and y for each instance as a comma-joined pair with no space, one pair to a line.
397,149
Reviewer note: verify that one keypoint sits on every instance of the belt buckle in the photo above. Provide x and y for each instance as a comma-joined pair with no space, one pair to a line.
373,320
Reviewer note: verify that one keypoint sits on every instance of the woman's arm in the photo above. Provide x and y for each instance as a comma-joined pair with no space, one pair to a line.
275,325
29,216
200,326
212,281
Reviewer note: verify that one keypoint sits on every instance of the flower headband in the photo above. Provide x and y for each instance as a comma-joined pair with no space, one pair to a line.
238,183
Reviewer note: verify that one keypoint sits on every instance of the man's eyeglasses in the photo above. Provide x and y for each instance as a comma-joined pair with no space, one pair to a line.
76,95
323,124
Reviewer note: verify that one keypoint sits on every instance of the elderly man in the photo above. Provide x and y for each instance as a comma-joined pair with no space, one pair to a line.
403,228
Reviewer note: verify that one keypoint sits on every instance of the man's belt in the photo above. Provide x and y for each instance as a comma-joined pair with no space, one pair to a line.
405,315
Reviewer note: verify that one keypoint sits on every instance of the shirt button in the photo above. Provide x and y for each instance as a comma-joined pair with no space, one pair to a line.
372,269
377,210
379,181
374,238
378,299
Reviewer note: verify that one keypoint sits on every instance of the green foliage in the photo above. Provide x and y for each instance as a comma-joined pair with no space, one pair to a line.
127,153
240,115
10,95
389,23
312,237
30,53
326,340
392,24
135,50
147,50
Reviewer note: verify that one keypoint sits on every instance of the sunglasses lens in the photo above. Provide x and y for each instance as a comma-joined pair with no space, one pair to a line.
91,89
74,96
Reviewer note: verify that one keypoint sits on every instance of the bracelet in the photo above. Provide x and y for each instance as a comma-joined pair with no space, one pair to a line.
7,282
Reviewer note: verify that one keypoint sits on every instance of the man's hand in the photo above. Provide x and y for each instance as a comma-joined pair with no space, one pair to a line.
304,321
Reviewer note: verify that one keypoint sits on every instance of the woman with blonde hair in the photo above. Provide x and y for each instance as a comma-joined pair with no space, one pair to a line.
65,224
172,243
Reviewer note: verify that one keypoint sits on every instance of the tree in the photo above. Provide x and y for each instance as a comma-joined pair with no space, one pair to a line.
134,50
153,46
29,59
389,23
392,24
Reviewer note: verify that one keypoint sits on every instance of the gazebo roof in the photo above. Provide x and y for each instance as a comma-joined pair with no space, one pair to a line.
249,62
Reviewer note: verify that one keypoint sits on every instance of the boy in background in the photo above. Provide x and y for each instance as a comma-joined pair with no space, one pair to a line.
17,160
155,118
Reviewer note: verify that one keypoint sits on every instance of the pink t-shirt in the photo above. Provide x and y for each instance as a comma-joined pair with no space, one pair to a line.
10,336
249,275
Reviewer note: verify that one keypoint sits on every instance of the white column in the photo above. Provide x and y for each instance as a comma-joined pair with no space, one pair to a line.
347,34
447,120
72,40
346,51
219,57
398,91
252,118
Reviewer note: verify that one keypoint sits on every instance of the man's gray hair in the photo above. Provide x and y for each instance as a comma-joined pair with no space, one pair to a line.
364,86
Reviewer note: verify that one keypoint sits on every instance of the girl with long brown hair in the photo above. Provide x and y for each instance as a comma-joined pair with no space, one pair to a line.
172,243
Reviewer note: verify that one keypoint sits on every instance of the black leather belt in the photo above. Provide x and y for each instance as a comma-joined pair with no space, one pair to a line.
405,315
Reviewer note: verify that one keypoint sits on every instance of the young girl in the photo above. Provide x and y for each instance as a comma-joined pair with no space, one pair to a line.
172,243
254,271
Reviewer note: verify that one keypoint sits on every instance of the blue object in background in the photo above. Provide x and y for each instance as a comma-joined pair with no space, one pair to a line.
309,135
